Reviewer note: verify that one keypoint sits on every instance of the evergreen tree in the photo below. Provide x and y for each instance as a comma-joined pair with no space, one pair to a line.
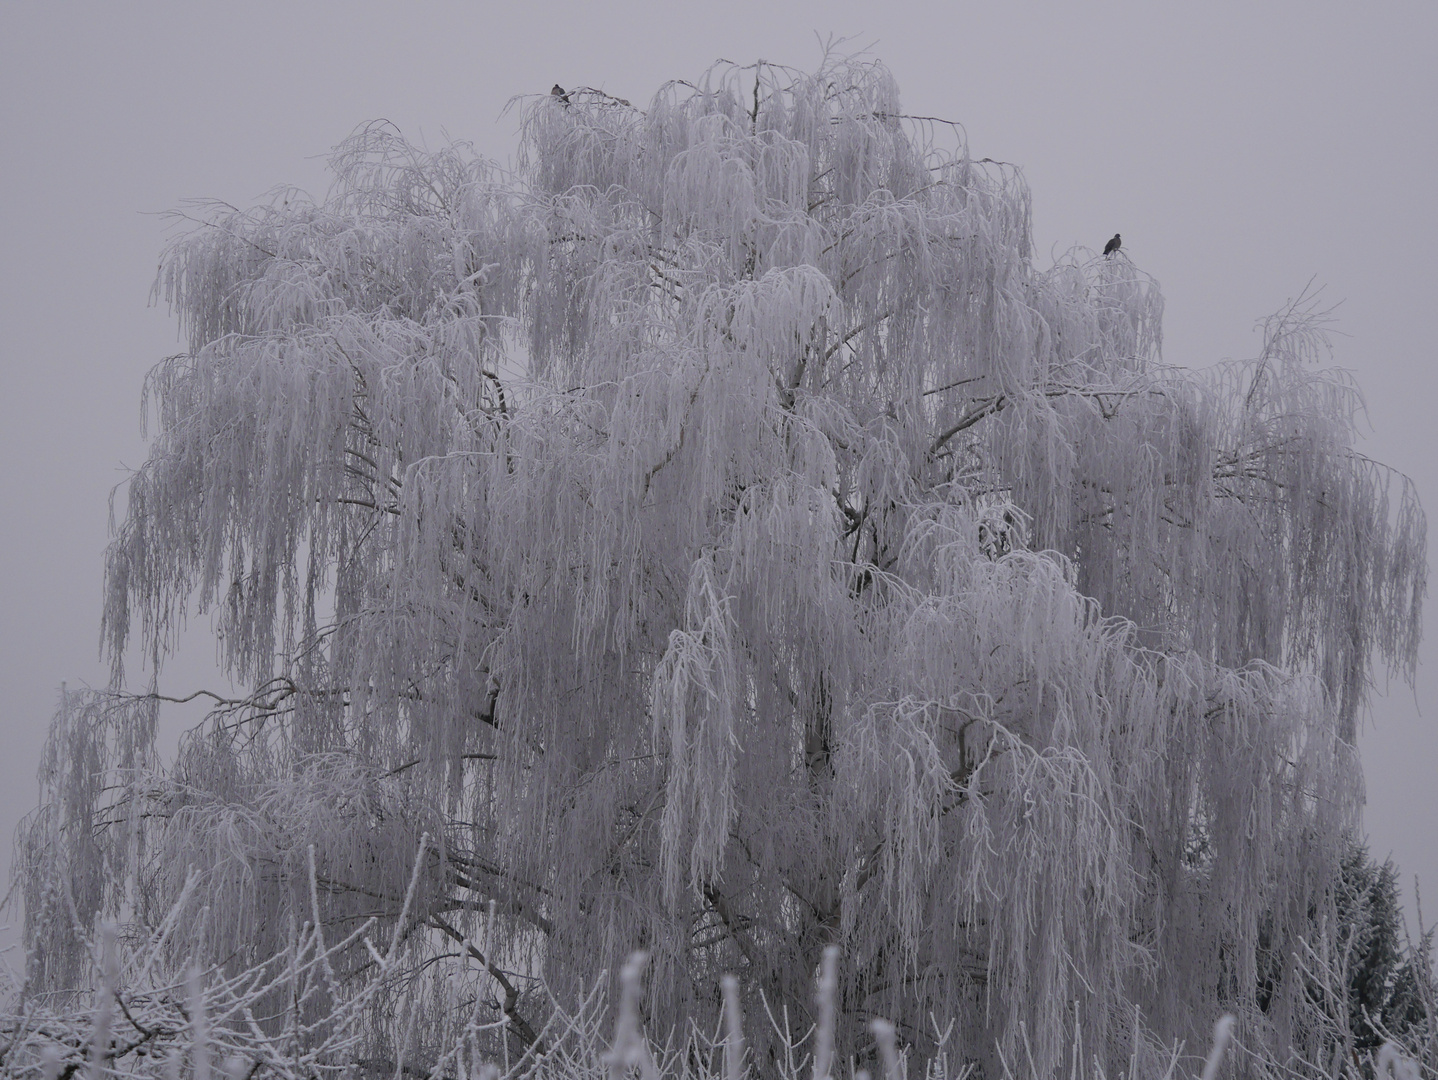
1390,981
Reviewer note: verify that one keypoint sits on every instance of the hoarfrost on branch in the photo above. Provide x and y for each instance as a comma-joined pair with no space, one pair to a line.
719,537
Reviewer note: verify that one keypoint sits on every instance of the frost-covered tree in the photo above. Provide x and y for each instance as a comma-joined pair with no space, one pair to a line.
718,537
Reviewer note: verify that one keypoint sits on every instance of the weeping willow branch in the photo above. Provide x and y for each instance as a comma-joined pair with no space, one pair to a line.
851,581
511,992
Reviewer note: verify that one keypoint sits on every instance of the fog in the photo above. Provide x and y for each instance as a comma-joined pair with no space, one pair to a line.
1242,152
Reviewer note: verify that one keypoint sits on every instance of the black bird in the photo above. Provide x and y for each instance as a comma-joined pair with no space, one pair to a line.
558,91
1113,245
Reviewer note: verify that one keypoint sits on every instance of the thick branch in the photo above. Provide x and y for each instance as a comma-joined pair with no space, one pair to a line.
511,992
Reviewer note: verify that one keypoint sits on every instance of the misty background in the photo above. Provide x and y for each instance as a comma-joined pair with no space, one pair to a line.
1242,150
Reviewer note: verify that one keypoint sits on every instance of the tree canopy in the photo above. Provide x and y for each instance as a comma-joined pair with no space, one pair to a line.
717,536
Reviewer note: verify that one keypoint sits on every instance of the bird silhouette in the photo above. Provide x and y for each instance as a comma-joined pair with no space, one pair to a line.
1113,245
558,91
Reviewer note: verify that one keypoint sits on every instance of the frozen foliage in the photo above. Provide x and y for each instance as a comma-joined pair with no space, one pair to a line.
148,1029
719,538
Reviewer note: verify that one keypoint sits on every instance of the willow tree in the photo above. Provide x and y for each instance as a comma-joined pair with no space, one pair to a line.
718,537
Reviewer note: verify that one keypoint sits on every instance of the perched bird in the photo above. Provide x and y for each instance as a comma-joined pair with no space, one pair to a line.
1108,249
558,91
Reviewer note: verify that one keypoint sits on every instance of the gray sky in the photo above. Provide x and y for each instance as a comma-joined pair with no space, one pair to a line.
1241,149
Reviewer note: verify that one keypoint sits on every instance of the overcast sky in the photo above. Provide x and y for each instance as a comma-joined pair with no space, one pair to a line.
1241,149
